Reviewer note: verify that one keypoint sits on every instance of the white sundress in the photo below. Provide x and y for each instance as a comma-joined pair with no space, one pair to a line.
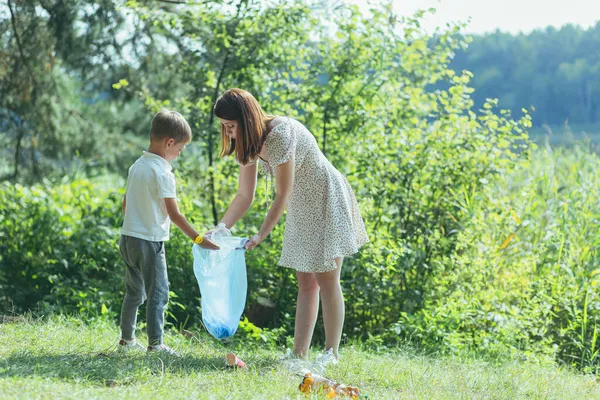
323,220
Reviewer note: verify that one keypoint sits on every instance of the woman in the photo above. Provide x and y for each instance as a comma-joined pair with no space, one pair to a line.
323,223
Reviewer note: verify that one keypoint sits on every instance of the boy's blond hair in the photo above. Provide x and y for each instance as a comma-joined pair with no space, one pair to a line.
170,124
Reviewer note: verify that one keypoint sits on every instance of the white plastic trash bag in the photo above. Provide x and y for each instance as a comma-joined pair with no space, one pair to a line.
221,275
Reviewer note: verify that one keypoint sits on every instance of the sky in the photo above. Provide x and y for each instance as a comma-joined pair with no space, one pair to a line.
507,15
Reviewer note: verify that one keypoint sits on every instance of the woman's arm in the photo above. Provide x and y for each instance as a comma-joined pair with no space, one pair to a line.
284,176
244,197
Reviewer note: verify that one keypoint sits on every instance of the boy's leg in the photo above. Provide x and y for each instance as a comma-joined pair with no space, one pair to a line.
157,291
134,286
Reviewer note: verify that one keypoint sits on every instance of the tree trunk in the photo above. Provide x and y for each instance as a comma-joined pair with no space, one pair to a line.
17,153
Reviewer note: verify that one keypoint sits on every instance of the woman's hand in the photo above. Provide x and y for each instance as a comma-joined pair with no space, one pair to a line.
254,241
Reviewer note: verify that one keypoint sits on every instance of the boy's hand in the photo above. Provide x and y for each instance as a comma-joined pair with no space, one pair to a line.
208,244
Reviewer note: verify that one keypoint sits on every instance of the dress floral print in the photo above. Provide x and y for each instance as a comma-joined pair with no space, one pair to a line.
323,219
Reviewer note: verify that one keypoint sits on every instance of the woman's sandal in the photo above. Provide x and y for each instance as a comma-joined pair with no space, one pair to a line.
233,361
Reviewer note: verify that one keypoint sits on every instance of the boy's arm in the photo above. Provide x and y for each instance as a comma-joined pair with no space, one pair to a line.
244,197
124,205
182,223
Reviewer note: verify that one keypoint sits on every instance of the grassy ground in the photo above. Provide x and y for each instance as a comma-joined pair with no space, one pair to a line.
64,358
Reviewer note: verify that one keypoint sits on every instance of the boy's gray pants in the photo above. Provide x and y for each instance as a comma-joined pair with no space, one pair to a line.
145,278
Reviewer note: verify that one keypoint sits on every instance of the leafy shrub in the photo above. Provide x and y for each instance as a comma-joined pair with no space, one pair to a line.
524,276
58,248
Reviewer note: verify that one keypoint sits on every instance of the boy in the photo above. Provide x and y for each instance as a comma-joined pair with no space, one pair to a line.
150,205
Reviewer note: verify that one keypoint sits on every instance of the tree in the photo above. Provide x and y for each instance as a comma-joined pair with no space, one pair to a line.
552,70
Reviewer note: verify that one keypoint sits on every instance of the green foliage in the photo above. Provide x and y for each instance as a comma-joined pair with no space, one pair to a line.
55,61
58,249
478,242
523,277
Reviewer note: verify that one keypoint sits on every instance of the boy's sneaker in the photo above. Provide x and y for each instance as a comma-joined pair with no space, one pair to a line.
130,346
163,349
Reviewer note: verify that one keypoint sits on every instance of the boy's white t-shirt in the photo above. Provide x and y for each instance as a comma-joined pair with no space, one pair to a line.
149,182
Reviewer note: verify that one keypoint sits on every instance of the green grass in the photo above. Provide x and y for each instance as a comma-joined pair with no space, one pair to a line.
65,358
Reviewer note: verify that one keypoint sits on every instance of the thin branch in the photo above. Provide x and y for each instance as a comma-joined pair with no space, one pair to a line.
18,152
13,21
211,176
172,1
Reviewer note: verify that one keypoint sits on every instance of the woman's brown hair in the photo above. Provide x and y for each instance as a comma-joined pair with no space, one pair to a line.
239,105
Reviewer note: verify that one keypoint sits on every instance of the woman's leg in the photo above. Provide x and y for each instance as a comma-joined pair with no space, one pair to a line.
332,302
307,308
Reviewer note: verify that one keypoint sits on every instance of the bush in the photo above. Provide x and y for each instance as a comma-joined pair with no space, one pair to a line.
523,278
58,250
